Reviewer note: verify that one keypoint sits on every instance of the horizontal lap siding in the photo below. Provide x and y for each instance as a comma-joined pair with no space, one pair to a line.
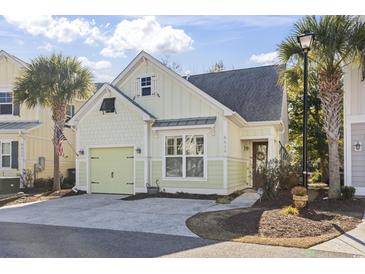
215,177
358,157
237,174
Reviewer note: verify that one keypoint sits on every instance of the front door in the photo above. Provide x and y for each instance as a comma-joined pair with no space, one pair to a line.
259,157
112,170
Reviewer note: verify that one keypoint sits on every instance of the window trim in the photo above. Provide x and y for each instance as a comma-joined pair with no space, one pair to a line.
184,156
1,154
152,85
12,101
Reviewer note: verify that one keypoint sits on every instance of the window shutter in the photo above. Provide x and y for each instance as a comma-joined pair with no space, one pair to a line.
138,87
16,110
14,154
154,84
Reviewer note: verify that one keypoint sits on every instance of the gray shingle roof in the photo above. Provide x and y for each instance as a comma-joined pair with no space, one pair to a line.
253,93
185,122
18,125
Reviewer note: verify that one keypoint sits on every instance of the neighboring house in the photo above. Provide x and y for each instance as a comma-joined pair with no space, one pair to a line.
26,134
354,129
199,134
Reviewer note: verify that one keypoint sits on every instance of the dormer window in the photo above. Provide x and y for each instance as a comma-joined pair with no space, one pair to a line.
146,87
108,105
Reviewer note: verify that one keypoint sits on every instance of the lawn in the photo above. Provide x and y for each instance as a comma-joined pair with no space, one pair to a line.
266,223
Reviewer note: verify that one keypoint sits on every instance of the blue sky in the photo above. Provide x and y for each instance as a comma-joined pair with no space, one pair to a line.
106,44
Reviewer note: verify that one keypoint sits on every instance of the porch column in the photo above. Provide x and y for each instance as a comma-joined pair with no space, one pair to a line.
271,148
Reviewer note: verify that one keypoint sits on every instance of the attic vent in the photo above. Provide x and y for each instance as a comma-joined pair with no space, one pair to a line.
108,105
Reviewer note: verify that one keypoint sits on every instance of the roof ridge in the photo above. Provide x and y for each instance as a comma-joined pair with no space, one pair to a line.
230,70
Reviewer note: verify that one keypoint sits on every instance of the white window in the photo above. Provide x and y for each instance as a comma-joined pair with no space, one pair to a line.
184,156
146,86
6,154
6,103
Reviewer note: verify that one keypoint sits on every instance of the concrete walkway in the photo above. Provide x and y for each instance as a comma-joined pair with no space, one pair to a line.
352,242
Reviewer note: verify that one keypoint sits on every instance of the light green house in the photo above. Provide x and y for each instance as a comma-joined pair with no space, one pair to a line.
199,134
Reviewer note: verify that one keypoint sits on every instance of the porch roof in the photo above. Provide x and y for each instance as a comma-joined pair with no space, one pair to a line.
14,126
183,122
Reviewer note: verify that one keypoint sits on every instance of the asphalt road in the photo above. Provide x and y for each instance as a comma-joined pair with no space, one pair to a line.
31,240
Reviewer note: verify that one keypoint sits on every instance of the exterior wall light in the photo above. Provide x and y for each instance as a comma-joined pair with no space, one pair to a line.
138,150
358,146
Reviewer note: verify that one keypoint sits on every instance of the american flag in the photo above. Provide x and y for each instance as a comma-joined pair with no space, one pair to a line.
59,141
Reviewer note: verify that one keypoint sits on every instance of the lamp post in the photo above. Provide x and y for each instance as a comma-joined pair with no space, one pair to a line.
305,40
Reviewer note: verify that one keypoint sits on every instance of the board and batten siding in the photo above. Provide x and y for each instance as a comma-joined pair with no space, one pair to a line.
358,157
172,100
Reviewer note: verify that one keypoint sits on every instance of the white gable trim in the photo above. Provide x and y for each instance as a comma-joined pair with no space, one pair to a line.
144,55
90,103
19,62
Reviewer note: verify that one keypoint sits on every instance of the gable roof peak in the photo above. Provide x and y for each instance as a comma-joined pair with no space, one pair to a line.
13,57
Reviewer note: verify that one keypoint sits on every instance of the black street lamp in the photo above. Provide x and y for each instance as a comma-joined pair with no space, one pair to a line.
305,40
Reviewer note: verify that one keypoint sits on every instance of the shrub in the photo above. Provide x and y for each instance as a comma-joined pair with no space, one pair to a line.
348,192
271,178
290,210
316,176
68,182
299,191
41,183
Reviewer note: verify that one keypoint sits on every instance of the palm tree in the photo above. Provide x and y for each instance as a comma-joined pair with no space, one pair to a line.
340,41
53,82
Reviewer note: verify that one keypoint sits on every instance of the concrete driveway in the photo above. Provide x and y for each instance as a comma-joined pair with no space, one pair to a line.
153,215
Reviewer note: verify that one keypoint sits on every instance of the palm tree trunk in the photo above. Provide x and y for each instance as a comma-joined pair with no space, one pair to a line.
56,164
331,95
59,117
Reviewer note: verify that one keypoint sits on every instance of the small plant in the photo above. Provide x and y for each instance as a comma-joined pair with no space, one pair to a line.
290,210
299,191
348,192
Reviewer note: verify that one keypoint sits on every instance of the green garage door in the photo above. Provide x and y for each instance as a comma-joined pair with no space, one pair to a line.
112,170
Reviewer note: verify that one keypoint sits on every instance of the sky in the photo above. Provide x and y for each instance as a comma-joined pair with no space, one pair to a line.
106,44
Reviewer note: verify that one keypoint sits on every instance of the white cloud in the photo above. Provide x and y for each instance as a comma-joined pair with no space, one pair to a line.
46,46
61,29
265,58
146,34
94,65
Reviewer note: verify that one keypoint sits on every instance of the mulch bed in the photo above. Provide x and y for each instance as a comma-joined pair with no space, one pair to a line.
182,195
265,222
29,198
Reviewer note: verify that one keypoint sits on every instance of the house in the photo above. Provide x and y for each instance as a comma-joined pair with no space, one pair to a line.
26,134
354,129
201,134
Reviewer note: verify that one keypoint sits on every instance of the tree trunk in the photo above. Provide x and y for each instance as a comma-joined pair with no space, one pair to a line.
331,96
334,170
56,164
59,118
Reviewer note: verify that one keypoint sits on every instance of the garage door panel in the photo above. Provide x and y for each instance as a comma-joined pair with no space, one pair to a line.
112,170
